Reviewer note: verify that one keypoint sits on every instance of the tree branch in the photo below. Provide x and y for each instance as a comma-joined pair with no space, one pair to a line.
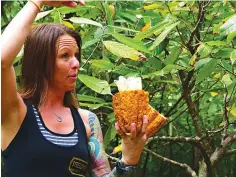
188,169
219,153
200,17
191,140
231,152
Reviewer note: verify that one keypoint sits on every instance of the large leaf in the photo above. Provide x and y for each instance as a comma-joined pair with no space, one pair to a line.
123,51
201,62
102,64
149,32
85,21
170,59
130,42
231,36
206,70
86,98
165,70
123,28
95,106
110,135
229,26
163,35
67,10
97,85
223,53
89,43
216,43
42,14
233,56
204,50
108,15
123,70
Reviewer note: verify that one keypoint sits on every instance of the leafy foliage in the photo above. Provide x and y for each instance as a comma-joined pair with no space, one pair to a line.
189,72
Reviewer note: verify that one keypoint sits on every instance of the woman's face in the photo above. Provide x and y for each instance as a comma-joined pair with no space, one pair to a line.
66,64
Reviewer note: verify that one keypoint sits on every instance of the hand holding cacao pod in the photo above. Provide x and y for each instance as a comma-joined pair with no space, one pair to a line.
131,105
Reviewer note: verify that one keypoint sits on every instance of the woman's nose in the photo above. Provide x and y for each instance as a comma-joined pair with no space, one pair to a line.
75,63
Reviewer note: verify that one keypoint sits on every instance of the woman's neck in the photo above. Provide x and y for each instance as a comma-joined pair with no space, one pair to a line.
54,99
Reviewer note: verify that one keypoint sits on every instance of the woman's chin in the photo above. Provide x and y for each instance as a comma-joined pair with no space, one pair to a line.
71,88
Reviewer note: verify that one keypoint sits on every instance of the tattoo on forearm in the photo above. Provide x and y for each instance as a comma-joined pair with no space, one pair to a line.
100,165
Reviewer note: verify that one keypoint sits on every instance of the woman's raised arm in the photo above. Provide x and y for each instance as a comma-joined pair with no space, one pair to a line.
12,40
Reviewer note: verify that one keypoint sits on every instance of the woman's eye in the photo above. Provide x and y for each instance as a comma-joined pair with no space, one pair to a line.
65,55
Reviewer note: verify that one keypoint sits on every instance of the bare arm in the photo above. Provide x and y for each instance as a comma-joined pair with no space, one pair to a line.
100,165
12,41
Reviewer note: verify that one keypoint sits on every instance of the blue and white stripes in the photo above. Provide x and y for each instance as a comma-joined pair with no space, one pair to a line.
61,140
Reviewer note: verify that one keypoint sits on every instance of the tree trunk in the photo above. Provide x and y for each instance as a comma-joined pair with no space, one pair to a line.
202,169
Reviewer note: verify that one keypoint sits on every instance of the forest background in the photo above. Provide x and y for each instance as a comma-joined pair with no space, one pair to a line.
185,53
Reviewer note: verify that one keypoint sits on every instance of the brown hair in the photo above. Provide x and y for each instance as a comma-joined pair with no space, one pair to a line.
38,62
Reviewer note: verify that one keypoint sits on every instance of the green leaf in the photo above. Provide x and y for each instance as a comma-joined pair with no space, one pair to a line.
206,70
201,62
161,47
111,117
165,70
122,50
19,56
89,43
85,21
102,64
216,43
67,10
170,59
231,36
233,56
123,28
204,50
123,70
149,32
86,98
18,70
130,42
129,17
223,53
230,85
229,26
163,35
68,24
226,80
93,106
108,15
110,135
42,14
97,85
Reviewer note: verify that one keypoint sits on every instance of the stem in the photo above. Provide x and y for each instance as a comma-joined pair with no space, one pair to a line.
188,169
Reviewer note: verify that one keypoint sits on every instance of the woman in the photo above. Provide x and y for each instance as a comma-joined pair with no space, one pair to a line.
44,133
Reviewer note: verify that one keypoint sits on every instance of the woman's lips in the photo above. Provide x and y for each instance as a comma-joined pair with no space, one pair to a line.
73,76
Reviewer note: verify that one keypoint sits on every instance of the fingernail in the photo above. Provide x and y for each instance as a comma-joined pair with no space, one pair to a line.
133,126
82,2
116,126
145,119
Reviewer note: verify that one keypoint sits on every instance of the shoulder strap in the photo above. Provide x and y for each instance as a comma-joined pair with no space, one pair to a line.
79,122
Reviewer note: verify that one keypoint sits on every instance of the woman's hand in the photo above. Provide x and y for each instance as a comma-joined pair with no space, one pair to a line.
69,3
133,143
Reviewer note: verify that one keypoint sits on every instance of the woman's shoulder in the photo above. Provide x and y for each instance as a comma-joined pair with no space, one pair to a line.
85,114
85,117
